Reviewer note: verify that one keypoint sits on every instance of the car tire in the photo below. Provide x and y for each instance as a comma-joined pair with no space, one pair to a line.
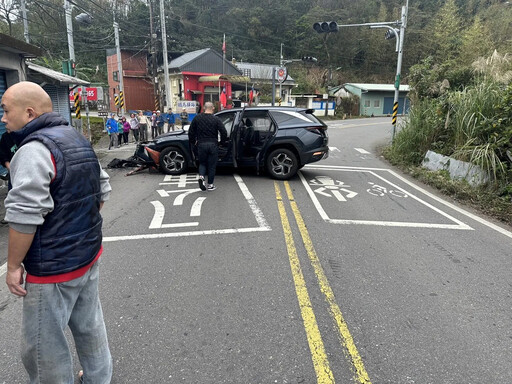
173,161
282,164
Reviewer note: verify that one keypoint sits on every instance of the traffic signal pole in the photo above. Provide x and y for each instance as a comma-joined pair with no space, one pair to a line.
332,26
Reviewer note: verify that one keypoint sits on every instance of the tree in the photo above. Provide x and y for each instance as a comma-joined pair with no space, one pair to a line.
9,12
475,43
446,31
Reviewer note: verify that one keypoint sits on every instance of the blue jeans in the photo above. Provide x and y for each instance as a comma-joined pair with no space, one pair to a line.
208,154
47,310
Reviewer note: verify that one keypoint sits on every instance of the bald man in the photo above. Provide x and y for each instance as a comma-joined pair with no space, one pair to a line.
58,188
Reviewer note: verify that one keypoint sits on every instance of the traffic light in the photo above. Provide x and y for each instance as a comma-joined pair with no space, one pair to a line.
69,67
309,59
72,68
392,33
326,26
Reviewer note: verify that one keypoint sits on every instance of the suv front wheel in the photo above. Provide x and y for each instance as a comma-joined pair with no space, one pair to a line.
282,164
173,161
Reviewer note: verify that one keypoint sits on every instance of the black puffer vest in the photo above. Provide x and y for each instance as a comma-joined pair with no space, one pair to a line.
70,236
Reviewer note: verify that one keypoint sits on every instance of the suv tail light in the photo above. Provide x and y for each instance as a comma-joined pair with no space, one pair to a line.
318,130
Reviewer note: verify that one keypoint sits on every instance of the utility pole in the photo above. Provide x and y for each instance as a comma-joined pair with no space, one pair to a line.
167,85
280,65
68,8
69,28
25,22
399,67
119,62
153,54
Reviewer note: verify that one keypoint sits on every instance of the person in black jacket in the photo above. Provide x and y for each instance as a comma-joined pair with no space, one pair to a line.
204,132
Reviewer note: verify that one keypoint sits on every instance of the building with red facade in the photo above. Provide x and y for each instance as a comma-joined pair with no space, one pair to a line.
202,75
138,87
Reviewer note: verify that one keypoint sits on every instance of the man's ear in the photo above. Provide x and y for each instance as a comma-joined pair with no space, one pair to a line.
31,113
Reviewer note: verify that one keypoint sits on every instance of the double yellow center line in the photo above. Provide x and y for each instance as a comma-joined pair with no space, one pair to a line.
320,362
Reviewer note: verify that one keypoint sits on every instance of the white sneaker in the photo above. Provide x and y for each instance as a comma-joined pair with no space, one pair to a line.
211,187
202,185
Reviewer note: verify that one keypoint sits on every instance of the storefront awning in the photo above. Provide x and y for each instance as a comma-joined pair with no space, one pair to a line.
40,74
230,78
196,92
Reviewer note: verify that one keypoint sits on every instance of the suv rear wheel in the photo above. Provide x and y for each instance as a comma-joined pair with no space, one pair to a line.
282,164
173,161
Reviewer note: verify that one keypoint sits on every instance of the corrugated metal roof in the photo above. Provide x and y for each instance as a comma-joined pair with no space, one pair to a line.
378,87
186,58
205,61
60,78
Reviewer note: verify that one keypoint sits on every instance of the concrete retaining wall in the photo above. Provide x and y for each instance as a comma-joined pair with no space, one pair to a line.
472,173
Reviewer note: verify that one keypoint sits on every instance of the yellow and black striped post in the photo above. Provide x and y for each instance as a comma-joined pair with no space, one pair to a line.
395,112
77,105
157,103
121,99
116,100
279,100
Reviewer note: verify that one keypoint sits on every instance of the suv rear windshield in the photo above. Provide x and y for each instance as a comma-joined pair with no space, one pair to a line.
294,118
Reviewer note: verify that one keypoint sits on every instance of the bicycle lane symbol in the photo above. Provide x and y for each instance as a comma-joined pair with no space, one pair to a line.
351,190
329,187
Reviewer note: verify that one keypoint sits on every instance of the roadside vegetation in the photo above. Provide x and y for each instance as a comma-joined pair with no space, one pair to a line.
464,113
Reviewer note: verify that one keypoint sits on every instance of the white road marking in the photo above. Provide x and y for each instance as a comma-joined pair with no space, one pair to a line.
258,214
363,151
334,149
182,194
158,218
196,207
3,269
191,233
460,225
432,196
182,180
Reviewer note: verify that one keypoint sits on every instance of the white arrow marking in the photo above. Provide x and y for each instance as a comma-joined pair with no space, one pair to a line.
196,207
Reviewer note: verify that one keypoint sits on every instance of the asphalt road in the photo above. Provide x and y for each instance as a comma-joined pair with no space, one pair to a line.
349,273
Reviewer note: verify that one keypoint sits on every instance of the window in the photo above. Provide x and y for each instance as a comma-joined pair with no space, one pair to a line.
376,103
115,75
367,103
228,119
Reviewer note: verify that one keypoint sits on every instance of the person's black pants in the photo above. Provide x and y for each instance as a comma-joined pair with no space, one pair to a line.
208,154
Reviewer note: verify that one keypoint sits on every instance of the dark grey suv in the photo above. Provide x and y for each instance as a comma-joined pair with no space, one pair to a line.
279,139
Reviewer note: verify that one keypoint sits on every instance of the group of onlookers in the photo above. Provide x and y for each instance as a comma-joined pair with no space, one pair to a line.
119,130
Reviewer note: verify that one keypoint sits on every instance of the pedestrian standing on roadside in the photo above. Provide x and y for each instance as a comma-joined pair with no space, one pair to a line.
170,121
126,130
154,128
120,132
53,211
160,122
112,131
204,132
184,118
143,126
134,126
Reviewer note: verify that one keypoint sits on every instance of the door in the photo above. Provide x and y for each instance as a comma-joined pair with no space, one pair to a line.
256,130
226,149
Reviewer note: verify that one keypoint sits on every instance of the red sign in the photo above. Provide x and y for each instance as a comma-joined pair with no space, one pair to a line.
92,94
